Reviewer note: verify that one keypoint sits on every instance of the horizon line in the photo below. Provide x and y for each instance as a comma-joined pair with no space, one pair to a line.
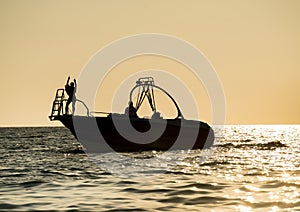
266,124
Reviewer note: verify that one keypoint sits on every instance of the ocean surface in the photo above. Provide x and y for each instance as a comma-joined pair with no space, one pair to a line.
251,168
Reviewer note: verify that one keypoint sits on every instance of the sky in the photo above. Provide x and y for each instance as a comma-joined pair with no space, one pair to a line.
254,47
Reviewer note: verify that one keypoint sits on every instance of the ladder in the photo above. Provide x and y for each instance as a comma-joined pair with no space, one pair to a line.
58,106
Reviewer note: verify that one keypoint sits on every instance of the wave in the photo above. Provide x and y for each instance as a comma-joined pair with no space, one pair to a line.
32,183
72,151
259,146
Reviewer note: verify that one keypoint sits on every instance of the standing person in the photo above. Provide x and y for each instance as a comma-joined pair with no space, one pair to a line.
71,90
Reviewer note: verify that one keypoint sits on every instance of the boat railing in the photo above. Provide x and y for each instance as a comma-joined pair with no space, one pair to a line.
86,107
92,113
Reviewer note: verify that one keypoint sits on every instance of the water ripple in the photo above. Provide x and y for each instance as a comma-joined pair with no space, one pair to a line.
251,168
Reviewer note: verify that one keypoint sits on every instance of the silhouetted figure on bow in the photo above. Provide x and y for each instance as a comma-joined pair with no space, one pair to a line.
71,90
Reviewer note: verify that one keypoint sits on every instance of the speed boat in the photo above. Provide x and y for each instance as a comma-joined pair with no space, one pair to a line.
106,132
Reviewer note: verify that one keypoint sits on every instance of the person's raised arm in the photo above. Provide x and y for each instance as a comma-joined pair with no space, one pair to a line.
67,83
75,85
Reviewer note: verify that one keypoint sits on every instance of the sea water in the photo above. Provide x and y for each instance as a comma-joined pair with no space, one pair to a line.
252,167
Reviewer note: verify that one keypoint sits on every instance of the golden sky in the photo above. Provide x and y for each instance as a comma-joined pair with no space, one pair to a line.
254,47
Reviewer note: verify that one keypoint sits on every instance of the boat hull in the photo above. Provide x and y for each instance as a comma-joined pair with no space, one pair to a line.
114,133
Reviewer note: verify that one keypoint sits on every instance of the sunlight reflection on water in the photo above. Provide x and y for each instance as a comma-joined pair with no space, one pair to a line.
252,168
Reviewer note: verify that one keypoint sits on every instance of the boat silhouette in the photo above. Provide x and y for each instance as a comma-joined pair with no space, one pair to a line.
106,132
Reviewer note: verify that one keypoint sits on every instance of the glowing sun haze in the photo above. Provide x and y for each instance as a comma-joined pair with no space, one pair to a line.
254,47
